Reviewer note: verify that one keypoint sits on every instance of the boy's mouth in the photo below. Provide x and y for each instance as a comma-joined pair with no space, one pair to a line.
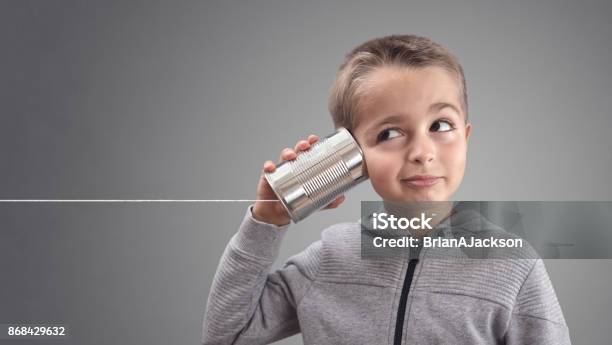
421,181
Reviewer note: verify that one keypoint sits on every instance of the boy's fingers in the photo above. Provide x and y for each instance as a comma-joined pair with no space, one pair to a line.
335,203
287,154
269,166
302,145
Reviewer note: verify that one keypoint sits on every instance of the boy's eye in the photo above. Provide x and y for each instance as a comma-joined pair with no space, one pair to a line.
387,134
441,126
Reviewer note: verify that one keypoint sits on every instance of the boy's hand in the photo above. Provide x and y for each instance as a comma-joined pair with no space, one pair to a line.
274,212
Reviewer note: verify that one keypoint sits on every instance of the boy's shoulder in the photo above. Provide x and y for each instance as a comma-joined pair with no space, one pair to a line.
342,240
341,231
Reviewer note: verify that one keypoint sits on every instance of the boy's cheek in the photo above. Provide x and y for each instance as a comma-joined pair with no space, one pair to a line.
455,165
379,165
453,141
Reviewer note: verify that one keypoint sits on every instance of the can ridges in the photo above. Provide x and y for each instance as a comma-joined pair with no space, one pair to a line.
317,176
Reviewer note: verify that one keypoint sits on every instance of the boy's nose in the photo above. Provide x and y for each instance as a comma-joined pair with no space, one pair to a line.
420,150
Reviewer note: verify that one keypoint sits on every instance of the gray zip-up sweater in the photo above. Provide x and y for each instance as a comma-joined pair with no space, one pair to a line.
332,295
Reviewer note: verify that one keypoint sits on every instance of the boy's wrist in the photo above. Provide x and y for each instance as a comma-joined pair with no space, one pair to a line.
261,214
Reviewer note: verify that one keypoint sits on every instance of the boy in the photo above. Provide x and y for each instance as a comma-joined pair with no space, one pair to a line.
404,99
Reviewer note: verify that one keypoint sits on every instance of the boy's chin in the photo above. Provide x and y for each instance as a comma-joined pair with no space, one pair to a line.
408,198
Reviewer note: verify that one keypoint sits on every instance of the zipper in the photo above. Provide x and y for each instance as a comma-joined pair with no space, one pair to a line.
401,311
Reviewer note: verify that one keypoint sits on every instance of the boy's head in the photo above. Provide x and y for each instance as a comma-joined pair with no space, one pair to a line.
404,99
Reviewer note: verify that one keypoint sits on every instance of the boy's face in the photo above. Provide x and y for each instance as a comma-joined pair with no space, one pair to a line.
411,125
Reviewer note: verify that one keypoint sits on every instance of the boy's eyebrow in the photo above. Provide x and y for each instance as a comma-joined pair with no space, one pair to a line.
385,120
441,105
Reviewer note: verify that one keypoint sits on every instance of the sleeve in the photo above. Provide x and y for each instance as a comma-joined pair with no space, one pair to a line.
537,317
247,303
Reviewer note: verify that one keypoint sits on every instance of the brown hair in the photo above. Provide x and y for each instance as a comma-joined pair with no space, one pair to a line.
394,50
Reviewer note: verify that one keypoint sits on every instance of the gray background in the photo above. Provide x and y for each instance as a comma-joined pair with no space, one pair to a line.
186,99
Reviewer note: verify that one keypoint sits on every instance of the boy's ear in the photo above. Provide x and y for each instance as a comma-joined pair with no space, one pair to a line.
468,130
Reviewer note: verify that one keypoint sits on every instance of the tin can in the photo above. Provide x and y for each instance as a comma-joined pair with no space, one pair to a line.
333,165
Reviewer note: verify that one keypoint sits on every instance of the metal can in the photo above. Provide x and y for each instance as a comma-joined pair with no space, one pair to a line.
333,165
